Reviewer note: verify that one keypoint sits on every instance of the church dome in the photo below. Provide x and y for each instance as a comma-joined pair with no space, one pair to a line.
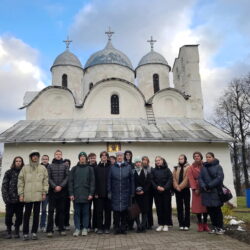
109,55
153,58
67,59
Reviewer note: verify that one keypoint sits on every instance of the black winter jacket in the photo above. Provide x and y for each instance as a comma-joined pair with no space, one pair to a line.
9,186
101,179
58,174
163,177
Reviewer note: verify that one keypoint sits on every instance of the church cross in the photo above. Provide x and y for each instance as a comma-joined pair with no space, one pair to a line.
151,41
109,33
67,42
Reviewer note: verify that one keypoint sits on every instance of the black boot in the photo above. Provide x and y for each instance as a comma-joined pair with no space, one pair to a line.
16,235
8,235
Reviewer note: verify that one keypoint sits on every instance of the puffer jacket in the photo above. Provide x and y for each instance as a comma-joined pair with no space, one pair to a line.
162,176
9,186
121,186
33,182
58,174
210,180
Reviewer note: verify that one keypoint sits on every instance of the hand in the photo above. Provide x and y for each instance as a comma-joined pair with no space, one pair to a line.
58,189
159,188
21,199
44,197
96,196
109,196
197,191
178,189
90,197
72,198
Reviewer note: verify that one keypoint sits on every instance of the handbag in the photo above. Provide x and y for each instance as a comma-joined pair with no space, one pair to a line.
134,211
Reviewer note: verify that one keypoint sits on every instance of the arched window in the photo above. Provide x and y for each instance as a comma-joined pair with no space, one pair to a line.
156,83
91,85
65,80
115,105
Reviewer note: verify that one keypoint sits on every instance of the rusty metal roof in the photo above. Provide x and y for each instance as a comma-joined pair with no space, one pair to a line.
102,130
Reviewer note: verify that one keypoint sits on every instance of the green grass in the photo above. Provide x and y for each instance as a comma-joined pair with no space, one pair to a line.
242,212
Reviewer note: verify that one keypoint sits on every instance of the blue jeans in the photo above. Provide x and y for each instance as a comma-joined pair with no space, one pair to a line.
81,208
44,212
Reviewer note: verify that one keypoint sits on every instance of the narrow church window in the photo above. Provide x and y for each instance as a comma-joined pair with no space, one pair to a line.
65,80
115,104
91,85
156,83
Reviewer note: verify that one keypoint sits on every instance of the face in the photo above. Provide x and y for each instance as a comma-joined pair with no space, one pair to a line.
128,156
92,159
58,155
138,164
18,162
67,164
112,160
82,159
145,162
209,158
158,161
181,159
119,158
34,158
104,158
45,160
197,158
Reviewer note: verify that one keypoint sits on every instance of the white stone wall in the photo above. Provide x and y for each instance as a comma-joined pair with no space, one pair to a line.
144,77
170,151
97,73
75,79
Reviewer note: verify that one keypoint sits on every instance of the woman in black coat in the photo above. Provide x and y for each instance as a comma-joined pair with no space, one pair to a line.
162,181
211,180
142,185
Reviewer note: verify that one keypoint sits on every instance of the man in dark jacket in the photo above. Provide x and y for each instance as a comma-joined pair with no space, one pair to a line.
81,191
58,179
121,190
103,204
11,198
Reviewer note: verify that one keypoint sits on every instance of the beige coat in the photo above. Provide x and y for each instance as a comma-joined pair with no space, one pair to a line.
33,183
176,174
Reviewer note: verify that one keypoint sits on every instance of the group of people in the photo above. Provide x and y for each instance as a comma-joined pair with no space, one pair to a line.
116,184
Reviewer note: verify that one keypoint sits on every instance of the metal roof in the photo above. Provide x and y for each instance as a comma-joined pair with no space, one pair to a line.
109,55
102,130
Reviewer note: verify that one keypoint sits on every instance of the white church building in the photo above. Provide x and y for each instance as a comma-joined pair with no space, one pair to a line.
107,104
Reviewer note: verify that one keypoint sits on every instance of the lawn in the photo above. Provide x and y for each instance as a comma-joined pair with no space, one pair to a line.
242,212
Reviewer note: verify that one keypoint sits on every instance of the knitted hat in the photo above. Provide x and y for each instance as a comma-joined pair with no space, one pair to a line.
82,154
137,159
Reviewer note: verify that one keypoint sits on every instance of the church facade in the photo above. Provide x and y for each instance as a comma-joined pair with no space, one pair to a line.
107,104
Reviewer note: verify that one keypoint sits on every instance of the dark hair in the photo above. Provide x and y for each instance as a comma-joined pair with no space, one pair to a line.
67,160
131,154
104,152
185,158
58,150
45,156
91,155
164,161
13,165
145,157
112,157
210,153
198,153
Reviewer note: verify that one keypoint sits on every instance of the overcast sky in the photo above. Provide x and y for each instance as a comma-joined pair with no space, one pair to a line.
31,35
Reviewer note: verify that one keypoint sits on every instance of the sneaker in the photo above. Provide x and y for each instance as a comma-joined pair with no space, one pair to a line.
99,231
186,228
43,229
95,230
8,236
107,231
84,232
213,231
220,231
34,236
26,237
62,233
67,228
165,228
181,228
76,233
49,234
159,229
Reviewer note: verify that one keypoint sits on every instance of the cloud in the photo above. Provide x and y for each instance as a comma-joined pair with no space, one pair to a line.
19,72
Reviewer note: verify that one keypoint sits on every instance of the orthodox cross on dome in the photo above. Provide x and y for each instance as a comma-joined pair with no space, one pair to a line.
67,42
151,41
109,33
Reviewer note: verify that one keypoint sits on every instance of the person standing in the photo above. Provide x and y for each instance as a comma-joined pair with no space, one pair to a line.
103,204
197,207
120,191
81,191
182,192
112,160
58,180
32,189
67,163
11,198
211,180
162,181
142,185
44,204
150,220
